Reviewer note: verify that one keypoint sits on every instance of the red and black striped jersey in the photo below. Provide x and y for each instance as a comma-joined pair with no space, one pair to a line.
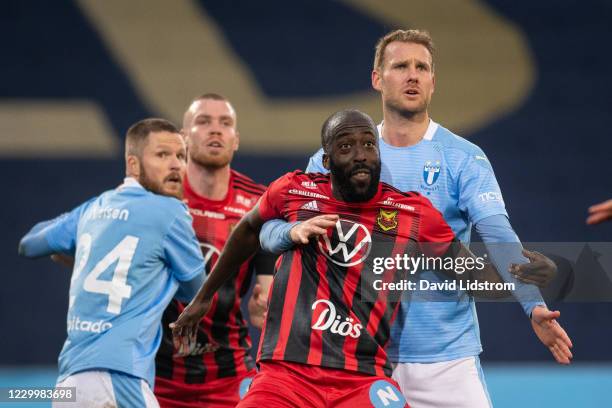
223,339
324,308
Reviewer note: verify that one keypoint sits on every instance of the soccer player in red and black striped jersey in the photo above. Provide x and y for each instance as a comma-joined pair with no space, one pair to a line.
327,324
220,368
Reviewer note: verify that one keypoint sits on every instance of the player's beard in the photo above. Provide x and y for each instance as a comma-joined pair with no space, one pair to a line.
348,190
397,107
157,187
209,161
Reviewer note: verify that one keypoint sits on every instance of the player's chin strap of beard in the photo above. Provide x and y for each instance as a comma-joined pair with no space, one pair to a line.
347,189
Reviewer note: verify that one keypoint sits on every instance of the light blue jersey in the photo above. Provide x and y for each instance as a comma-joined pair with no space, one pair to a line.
132,248
456,176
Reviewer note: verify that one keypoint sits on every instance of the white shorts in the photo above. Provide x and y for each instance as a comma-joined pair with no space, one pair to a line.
448,384
107,389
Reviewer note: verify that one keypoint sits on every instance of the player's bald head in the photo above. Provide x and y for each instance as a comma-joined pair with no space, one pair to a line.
345,121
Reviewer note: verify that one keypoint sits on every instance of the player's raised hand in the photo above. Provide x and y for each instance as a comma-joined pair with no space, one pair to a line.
258,306
313,227
185,328
539,271
599,213
551,334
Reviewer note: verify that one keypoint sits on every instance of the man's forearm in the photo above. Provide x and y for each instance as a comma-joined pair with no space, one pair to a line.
505,248
242,243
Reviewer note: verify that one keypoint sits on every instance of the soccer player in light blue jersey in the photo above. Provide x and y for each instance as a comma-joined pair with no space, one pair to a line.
436,344
133,248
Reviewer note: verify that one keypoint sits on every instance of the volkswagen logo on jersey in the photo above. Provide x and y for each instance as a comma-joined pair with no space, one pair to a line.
431,172
349,244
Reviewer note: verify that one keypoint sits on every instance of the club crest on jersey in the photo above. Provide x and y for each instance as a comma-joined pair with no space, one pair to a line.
349,244
387,219
431,172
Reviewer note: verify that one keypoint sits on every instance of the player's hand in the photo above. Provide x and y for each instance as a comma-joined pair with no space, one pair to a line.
551,334
599,213
185,329
258,306
63,260
539,271
313,227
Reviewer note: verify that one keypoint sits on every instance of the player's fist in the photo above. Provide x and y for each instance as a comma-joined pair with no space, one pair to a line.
313,227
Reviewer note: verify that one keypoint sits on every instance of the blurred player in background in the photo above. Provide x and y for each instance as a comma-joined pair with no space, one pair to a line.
599,213
220,369
436,344
133,247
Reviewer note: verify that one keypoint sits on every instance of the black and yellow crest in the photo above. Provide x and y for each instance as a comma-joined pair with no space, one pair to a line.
387,220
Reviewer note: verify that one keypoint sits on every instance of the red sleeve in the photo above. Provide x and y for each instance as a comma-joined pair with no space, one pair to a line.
434,232
273,199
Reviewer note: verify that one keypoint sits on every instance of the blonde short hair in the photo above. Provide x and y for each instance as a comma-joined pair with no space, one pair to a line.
409,36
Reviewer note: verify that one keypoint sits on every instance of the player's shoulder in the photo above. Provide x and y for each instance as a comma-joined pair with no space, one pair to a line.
408,200
156,205
300,178
246,184
459,149
454,143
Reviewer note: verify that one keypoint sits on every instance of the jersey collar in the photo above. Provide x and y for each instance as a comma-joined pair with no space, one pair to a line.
429,133
131,182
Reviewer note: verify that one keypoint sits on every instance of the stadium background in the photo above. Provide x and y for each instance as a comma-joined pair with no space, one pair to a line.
529,82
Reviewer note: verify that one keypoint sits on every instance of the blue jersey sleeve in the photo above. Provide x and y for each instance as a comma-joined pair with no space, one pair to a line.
315,164
479,193
505,248
56,235
274,236
182,250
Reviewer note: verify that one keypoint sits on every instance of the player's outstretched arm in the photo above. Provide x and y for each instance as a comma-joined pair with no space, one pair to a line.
53,236
241,244
487,274
35,244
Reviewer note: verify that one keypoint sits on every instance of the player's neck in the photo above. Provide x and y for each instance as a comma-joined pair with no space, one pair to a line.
207,182
401,131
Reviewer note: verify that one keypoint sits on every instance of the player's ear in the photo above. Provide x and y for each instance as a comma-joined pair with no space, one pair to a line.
433,81
376,80
132,166
237,142
325,161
